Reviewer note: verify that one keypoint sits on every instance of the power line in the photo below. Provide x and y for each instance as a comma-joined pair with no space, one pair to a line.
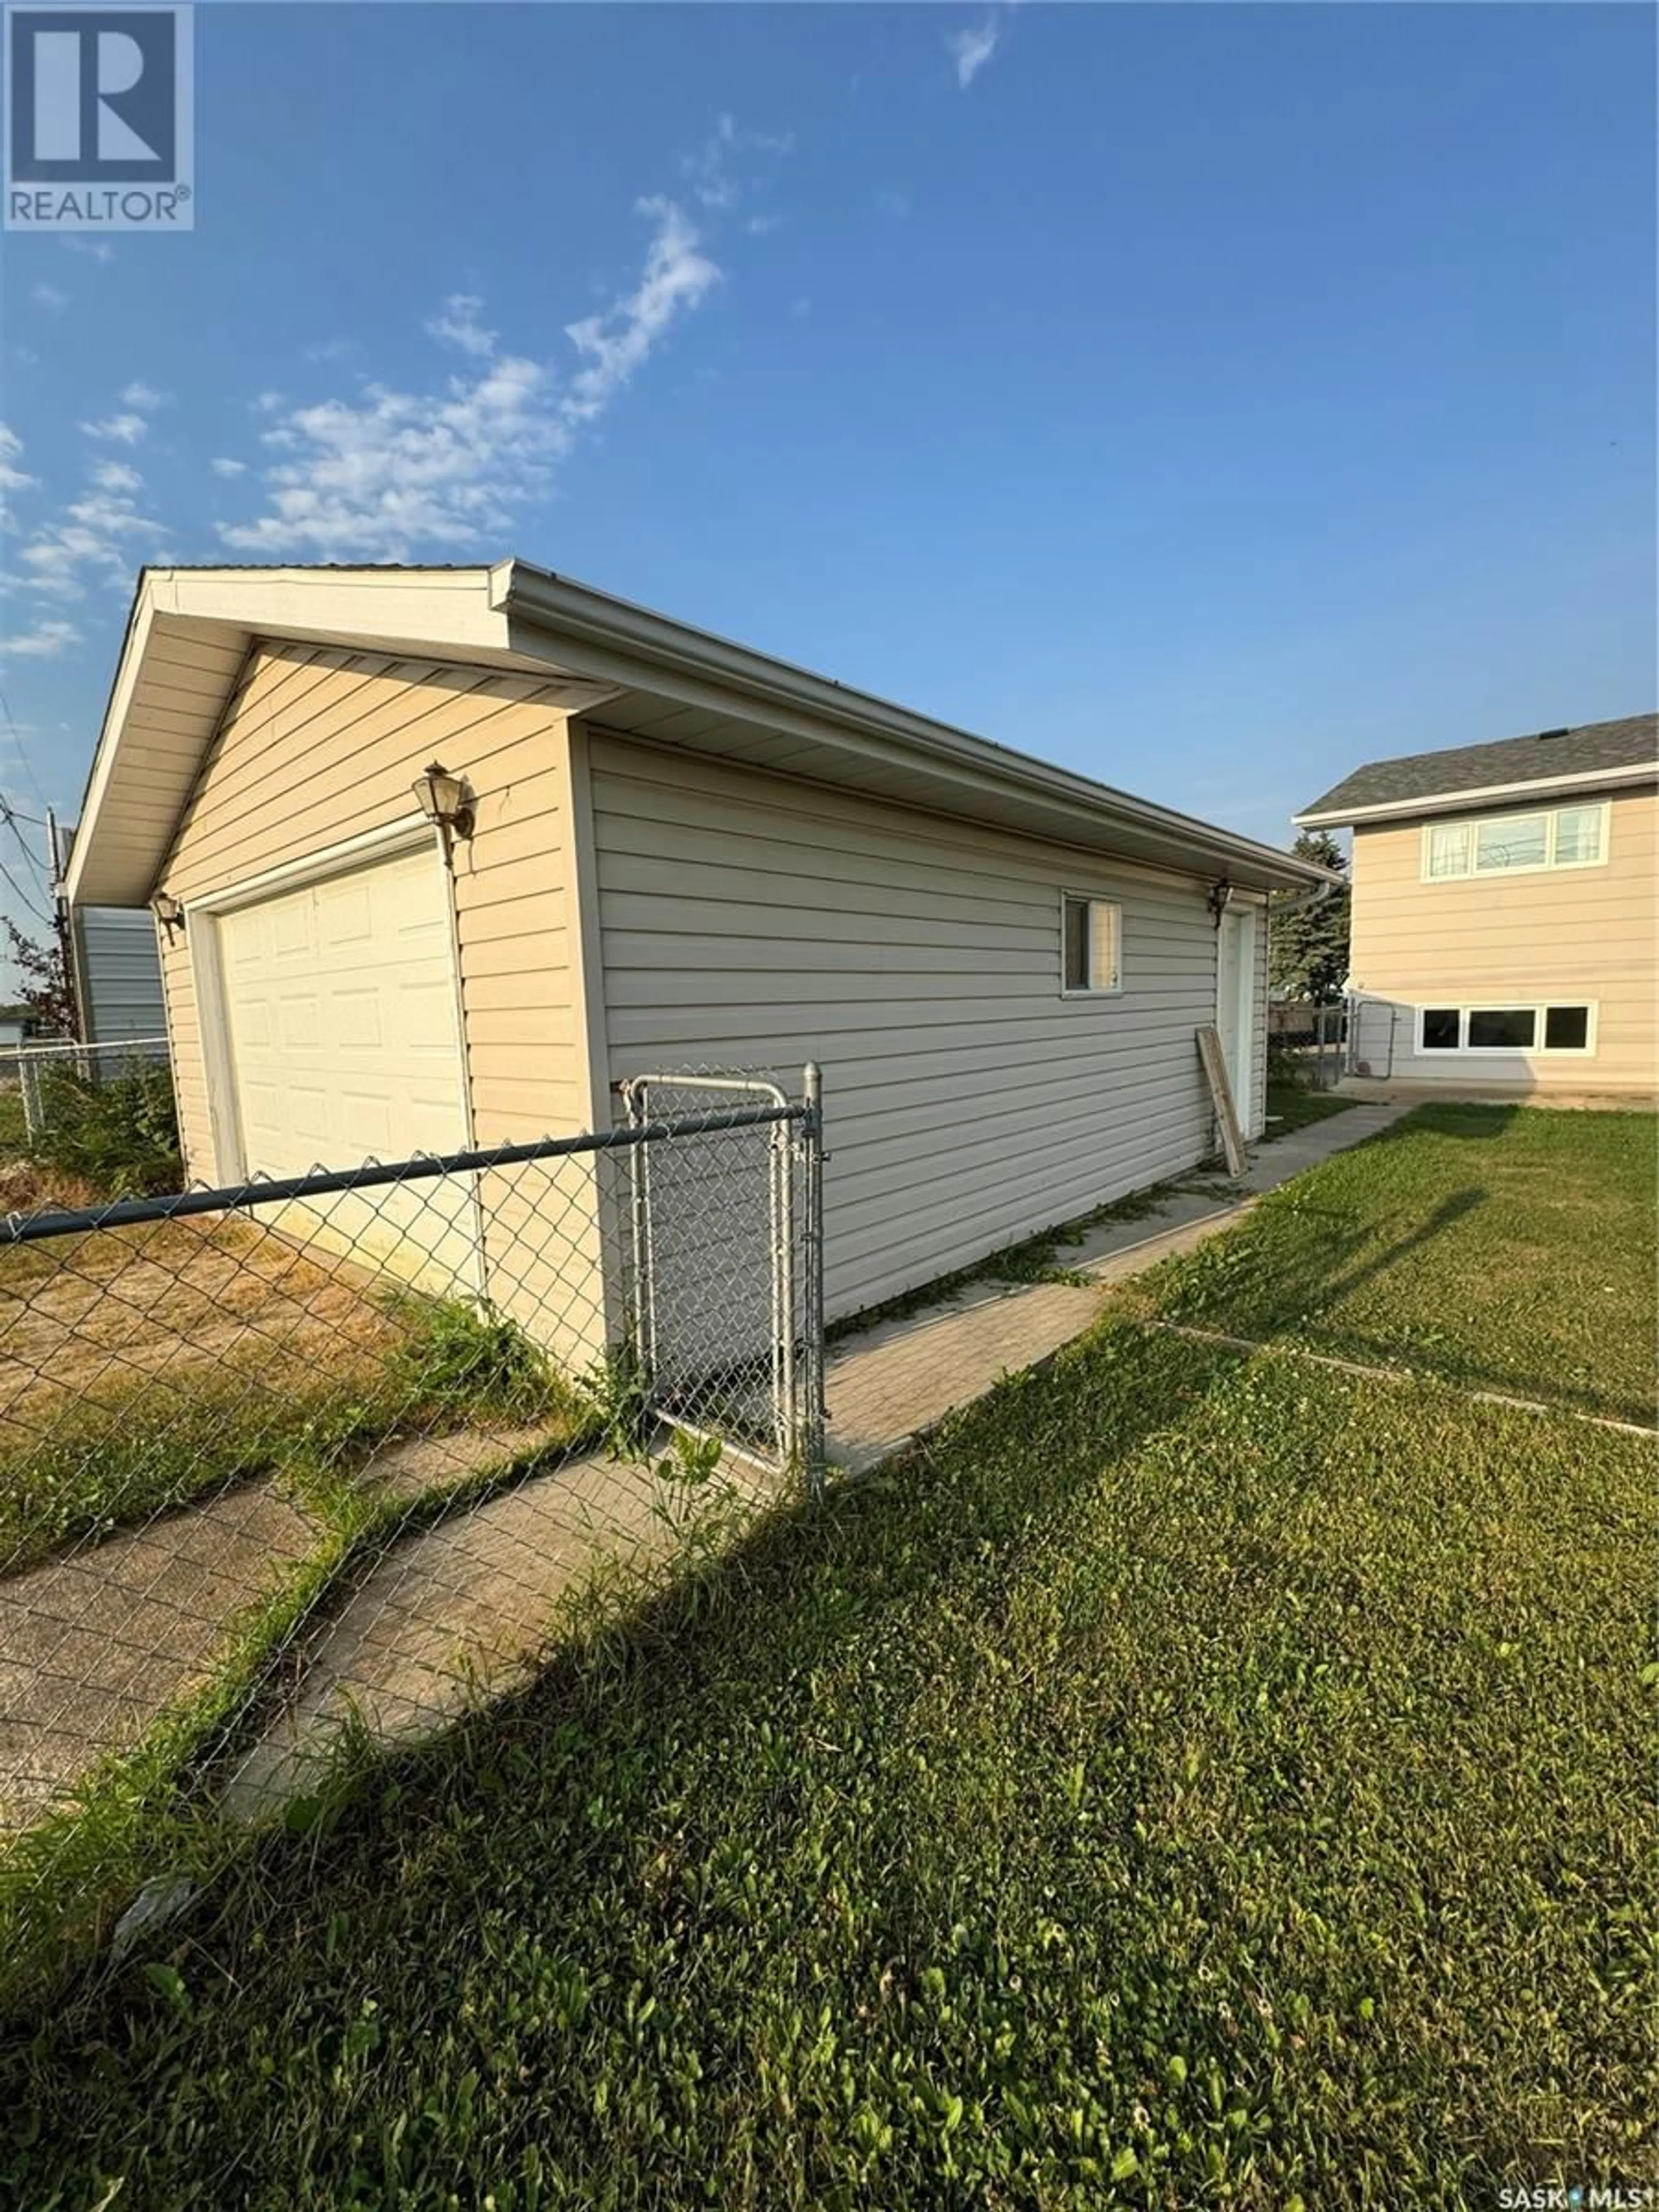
9,815
22,750
23,898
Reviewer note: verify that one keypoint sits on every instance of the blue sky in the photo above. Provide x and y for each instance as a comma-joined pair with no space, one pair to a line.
1208,398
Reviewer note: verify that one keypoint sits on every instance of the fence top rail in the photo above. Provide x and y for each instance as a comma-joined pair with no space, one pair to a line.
374,1175
29,1050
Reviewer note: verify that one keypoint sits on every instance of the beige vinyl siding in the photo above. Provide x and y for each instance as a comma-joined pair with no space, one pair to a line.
1561,936
319,746
750,921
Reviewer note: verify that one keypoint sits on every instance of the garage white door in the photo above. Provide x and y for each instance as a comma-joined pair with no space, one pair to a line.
340,1008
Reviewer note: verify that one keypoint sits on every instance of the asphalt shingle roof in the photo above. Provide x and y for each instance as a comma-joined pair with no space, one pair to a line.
1632,742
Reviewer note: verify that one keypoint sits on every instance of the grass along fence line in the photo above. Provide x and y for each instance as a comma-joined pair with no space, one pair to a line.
1189,1777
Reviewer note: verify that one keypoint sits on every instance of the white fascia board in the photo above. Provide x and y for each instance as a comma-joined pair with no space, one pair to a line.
1455,802
625,644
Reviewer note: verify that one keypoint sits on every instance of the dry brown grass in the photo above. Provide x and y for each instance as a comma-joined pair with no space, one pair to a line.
85,1319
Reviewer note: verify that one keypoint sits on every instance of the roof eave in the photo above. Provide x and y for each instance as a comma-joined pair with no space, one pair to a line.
621,642
1453,802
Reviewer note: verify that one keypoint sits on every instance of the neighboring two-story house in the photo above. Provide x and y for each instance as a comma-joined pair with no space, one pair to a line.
1504,912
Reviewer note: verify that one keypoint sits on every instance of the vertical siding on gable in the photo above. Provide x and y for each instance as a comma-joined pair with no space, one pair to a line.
1566,934
749,921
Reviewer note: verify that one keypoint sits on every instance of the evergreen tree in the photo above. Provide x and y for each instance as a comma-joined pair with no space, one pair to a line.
1308,950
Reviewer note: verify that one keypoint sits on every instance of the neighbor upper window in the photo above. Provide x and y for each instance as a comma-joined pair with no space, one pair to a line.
1506,1028
1503,844
1093,932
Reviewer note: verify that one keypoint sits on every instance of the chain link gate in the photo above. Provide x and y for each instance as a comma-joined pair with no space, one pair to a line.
727,1314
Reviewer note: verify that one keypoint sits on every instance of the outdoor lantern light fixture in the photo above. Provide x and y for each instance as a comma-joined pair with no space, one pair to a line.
446,802
1221,897
168,912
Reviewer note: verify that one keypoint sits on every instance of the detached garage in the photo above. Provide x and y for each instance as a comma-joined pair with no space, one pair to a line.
664,851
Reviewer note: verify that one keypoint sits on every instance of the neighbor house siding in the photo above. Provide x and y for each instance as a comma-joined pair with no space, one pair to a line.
319,746
1563,935
118,975
747,921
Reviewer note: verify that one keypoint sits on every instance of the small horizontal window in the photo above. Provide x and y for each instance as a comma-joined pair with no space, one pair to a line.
1503,1029
1093,931
1442,1029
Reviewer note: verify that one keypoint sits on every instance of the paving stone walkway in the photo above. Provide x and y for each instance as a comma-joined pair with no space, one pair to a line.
899,1379
94,1647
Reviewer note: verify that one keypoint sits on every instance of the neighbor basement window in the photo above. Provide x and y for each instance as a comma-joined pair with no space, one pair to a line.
1506,1028
1093,930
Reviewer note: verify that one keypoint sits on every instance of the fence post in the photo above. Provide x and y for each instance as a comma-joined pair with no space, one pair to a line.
813,1157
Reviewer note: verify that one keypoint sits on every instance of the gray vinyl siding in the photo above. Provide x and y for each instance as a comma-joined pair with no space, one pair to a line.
118,974
750,921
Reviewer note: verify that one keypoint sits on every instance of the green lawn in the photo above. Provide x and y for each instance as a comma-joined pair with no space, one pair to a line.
1290,1108
1503,1248
1192,1778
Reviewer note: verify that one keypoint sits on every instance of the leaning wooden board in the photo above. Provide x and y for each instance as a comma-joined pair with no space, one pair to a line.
1221,1091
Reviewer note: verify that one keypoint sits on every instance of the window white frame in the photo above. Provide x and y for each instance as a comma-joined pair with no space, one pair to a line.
1115,988
1539,1008
1474,823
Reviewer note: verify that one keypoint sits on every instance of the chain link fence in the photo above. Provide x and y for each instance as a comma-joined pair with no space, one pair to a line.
328,1456
88,1118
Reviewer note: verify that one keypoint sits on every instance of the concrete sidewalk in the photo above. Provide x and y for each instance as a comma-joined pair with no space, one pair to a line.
900,1378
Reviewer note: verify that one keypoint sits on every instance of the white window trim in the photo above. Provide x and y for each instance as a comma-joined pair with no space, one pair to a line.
1114,990
1475,822
1538,1007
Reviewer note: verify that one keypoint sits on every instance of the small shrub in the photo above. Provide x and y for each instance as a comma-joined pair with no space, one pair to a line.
120,1136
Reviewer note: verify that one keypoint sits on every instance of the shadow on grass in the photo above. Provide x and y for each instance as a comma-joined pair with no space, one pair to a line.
1483,1310
764,1613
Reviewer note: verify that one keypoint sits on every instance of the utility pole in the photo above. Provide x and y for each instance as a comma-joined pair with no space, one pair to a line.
57,857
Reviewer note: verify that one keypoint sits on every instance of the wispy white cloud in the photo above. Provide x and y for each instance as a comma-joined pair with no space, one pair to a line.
116,476
43,642
376,475
711,173
222,465
50,296
123,429
971,49
458,325
92,249
12,478
144,397
330,349
267,403
98,537
676,278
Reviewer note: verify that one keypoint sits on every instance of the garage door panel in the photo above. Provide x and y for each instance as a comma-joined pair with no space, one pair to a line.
340,1003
